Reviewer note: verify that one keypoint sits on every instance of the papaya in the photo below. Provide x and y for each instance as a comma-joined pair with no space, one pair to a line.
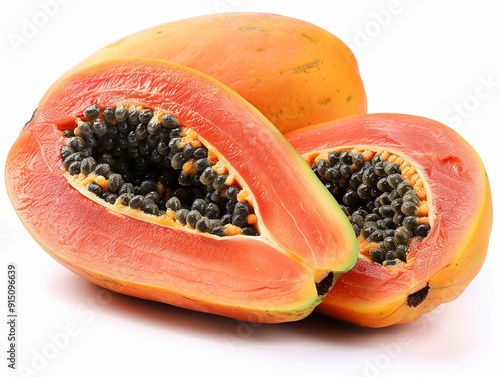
294,72
418,197
156,181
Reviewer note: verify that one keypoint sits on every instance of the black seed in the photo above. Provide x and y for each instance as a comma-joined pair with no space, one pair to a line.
133,152
145,115
175,132
200,164
394,180
163,148
390,243
242,209
357,220
91,143
141,132
144,149
147,186
386,211
108,143
181,215
85,130
369,177
174,203
203,225
398,218
106,159
230,205
422,230
391,168
152,141
153,196
150,208
199,205
182,194
178,161
345,210
403,188
378,168
409,209
402,235
372,217
360,212
333,157
411,196
115,182
239,220
332,174
383,185
94,188
153,127
124,198
169,121
155,157
91,112
346,171
127,188
377,236
76,142
103,169
350,198
220,182
227,218
200,152
368,229
66,151
358,160
68,133
232,193
363,191
99,127
208,176
220,231
322,166
88,165
346,158
396,205
124,127
217,196
164,133
410,222
249,231
188,150
111,198
133,116
121,114
193,217
212,211
136,201
401,252
74,168
393,195
377,255
108,114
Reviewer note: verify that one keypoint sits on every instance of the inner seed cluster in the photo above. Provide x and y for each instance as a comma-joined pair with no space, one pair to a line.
146,160
383,197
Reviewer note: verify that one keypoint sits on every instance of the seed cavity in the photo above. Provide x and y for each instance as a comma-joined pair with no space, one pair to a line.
382,195
148,161
415,299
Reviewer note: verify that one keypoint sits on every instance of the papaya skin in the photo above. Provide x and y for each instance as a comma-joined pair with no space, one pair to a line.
460,211
269,278
297,74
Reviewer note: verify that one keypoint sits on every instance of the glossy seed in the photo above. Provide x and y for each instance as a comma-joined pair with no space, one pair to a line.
88,165
409,208
212,211
99,127
410,222
377,255
169,121
181,216
174,203
91,112
193,217
422,230
136,201
199,205
394,180
94,188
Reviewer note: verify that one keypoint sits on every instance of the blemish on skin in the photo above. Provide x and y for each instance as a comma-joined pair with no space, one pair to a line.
307,36
348,99
245,29
310,65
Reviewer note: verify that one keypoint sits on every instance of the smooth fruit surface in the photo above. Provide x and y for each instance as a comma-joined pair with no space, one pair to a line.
294,72
268,278
441,265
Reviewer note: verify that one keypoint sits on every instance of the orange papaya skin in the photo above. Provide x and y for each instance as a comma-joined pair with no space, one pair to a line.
268,278
460,211
294,72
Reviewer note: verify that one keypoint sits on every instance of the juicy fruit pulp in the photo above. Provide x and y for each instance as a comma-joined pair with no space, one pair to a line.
294,72
278,275
438,266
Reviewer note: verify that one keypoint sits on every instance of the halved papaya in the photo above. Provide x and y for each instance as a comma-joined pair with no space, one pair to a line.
156,181
418,198
294,72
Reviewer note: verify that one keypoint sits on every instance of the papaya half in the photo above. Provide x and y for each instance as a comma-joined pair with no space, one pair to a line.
294,72
418,197
156,181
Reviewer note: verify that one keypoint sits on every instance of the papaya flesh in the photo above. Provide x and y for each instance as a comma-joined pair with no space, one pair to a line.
455,204
294,72
280,272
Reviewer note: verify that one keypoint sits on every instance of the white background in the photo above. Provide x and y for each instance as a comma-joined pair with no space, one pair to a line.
427,58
